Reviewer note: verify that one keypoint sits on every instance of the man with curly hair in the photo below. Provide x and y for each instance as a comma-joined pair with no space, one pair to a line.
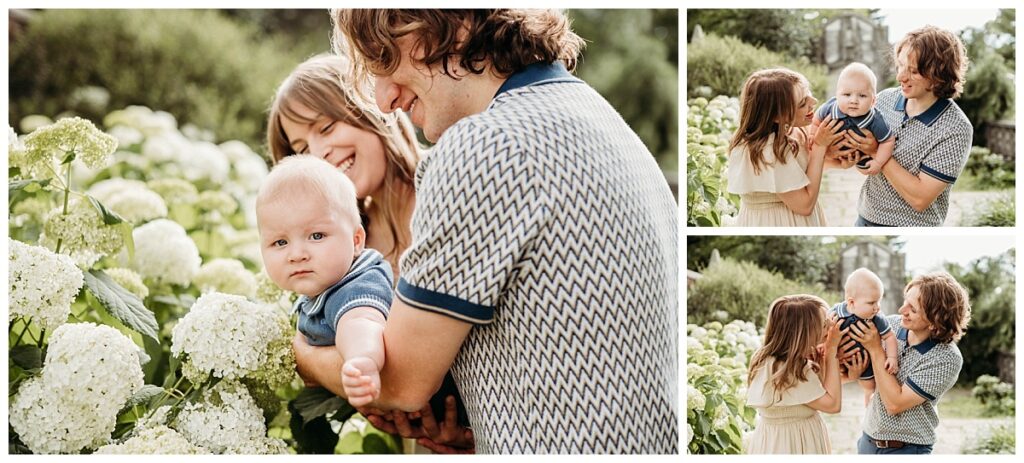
543,266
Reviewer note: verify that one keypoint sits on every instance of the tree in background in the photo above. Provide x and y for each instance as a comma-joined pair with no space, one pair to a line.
989,91
990,336
631,59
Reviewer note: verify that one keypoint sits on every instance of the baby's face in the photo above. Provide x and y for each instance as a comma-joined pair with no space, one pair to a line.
854,95
306,248
866,300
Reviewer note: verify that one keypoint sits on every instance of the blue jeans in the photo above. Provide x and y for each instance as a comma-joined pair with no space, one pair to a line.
862,222
866,447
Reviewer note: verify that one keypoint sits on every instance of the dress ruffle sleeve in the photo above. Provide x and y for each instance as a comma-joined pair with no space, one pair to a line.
774,177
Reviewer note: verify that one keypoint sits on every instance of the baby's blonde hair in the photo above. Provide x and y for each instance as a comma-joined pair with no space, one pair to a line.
862,70
297,177
857,278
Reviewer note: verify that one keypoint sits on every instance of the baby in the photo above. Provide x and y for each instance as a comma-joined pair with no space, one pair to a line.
311,238
854,104
863,294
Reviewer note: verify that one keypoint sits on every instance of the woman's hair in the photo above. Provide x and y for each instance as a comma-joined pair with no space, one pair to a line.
768,95
795,326
317,85
941,58
506,39
945,303
297,178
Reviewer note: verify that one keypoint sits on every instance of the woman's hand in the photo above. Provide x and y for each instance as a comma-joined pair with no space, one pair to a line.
828,133
855,364
866,144
440,437
832,334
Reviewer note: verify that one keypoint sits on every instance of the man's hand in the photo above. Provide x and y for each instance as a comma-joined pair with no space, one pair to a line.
866,144
440,437
866,334
302,350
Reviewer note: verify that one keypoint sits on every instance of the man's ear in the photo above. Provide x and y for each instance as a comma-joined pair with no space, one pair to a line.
359,239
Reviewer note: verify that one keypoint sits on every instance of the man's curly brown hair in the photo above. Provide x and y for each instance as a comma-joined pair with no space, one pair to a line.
506,39
941,58
945,303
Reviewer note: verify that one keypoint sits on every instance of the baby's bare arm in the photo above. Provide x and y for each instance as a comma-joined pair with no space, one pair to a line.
360,333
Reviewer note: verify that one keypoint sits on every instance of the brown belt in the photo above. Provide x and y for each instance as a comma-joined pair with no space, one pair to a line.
887,444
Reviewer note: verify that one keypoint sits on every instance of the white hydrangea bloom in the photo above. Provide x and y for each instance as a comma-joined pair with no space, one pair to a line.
249,168
165,253
13,142
226,335
42,284
125,135
695,400
131,199
204,161
227,276
226,420
165,146
81,232
142,119
90,373
129,280
159,440
174,190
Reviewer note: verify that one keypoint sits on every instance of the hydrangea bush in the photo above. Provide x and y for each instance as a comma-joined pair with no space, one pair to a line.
141,320
716,379
709,128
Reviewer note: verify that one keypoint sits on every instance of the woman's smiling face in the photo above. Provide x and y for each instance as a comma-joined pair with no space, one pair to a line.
804,105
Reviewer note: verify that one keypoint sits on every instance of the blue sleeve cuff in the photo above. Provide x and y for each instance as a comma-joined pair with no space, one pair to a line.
939,175
918,390
425,299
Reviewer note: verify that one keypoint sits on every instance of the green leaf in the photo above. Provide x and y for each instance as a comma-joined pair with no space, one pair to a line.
121,304
18,189
28,357
312,437
70,157
143,395
314,402
375,444
109,217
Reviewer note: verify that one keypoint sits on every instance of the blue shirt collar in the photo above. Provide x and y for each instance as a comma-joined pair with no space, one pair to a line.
929,116
536,74
312,305
921,348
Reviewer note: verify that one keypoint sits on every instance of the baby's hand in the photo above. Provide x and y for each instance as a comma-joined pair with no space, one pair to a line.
874,167
892,365
360,377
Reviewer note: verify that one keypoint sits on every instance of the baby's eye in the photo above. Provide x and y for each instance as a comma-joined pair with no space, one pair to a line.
317,236
279,243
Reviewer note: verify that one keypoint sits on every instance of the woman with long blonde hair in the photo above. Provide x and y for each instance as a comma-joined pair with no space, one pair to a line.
793,376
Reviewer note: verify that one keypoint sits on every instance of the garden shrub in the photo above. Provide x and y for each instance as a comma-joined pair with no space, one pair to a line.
988,93
991,285
742,290
1000,212
724,63
990,171
709,127
716,378
198,65
997,440
995,395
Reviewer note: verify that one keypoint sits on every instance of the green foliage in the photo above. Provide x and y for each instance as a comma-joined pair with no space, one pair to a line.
724,63
780,30
997,440
988,93
995,395
709,127
742,290
630,59
990,283
990,171
197,65
1000,212
716,378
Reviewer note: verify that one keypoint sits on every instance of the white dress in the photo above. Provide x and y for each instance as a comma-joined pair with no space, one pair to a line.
760,204
786,425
